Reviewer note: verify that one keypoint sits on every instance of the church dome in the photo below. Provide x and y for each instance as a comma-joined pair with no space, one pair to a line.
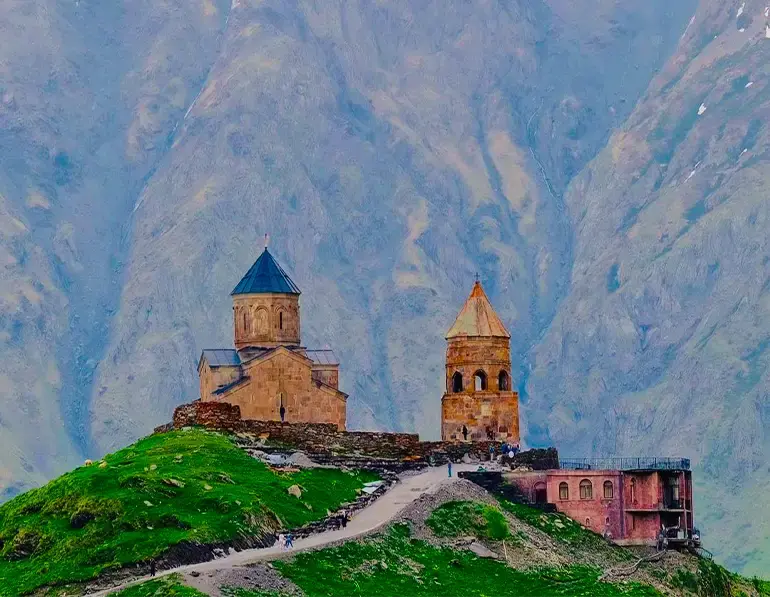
266,277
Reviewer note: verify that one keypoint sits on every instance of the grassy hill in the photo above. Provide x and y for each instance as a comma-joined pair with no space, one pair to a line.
427,554
181,487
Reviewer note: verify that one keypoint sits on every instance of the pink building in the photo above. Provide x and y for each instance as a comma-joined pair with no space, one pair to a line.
629,498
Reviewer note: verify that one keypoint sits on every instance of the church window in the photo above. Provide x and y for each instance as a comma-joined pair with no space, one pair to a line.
586,490
480,380
563,491
502,382
246,323
261,321
457,382
608,490
280,320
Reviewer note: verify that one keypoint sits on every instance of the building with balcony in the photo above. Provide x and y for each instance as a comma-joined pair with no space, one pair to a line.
626,499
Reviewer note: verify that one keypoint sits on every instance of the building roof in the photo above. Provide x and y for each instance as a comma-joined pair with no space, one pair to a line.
221,357
322,357
266,276
478,318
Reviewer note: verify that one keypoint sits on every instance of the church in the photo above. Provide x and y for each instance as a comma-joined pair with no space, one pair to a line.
479,403
269,374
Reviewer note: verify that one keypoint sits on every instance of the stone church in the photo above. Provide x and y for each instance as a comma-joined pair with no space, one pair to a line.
479,403
269,374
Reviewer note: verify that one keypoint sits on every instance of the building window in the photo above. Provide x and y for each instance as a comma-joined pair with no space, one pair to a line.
633,491
586,490
502,382
588,522
246,323
563,491
608,490
457,382
280,320
633,522
480,380
541,494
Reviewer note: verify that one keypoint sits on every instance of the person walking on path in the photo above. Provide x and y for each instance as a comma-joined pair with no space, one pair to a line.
152,567
449,468
289,541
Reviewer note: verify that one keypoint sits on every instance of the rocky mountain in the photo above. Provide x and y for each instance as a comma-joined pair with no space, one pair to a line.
585,157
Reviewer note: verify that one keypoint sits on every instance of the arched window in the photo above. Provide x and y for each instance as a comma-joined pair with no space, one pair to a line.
541,494
457,382
502,382
246,323
586,490
280,320
563,491
608,490
480,380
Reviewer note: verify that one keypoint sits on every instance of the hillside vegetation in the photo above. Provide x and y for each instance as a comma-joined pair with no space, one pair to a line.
181,487
460,541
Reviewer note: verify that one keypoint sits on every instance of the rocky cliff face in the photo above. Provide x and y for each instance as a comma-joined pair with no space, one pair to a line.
661,343
391,151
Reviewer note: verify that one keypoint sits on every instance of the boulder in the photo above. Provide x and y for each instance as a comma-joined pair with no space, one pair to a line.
482,551
295,491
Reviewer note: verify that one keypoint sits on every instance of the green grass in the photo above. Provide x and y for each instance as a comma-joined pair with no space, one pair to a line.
457,518
182,486
396,565
239,592
558,526
168,586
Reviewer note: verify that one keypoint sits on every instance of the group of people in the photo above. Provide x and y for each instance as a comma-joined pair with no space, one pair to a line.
342,519
511,449
285,541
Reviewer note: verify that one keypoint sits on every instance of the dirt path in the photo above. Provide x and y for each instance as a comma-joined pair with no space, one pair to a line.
379,513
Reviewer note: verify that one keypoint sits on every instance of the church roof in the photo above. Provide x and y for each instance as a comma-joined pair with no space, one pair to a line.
266,276
221,357
478,318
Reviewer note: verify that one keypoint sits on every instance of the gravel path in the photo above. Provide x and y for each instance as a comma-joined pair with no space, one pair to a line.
371,518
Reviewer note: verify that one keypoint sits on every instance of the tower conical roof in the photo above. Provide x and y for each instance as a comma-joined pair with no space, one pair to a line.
478,318
266,276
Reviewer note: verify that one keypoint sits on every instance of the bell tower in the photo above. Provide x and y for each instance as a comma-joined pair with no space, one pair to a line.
266,307
478,403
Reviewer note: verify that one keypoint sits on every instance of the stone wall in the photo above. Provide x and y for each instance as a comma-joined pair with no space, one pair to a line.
285,376
483,414
490,412
325,438
266,320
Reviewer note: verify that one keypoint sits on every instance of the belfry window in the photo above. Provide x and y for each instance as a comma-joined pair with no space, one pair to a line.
586,490
480,380
246,323
457,382
502,382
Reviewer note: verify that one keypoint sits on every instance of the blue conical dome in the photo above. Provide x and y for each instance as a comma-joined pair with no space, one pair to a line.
266,276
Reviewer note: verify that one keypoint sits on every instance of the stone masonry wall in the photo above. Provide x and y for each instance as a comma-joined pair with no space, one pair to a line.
486,415
325,438
285,375
266,319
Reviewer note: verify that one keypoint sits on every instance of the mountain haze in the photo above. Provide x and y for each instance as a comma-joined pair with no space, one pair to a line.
585,157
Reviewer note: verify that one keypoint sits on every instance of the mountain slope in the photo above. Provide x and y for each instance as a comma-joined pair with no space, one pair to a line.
84,114
661,344
390,156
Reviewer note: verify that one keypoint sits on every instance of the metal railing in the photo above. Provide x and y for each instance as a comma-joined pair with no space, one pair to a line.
626,464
